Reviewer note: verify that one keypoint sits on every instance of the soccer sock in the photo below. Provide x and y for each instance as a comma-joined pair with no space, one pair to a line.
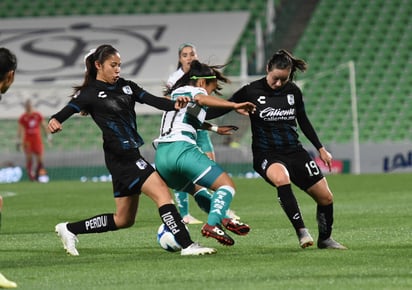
182,200
221,200
290,206
97,224
203,199
39,166
324,216
172,219
28,168
0,220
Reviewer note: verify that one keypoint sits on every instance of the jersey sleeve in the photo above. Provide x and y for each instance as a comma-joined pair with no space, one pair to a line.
144,97
305,124
237,97
76,104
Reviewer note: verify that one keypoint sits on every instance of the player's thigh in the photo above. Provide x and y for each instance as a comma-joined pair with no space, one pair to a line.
303,170
167,163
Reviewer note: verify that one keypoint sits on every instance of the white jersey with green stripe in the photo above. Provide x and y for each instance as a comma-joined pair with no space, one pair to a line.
182,125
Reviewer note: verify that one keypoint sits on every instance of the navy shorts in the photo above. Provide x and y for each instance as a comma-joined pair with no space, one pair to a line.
303,170
128,171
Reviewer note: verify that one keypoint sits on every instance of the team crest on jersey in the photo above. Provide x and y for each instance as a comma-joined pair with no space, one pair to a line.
291,99
141,164
127,90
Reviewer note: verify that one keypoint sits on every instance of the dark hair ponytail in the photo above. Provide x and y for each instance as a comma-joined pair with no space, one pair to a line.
100,54
282,59
197,71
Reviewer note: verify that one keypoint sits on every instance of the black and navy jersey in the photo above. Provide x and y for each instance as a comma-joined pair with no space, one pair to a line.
274,125
112,109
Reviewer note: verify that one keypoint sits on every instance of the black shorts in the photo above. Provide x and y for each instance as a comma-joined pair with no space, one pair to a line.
303,170
128,171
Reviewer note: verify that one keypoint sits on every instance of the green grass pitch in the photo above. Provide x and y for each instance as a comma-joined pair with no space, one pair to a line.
372,218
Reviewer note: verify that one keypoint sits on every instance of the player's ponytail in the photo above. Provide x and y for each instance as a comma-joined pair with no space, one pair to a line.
282,59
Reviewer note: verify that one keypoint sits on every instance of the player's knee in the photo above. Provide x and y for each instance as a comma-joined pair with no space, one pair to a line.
124,223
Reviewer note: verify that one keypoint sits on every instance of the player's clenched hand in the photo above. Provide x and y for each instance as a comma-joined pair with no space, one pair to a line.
181,102
54,126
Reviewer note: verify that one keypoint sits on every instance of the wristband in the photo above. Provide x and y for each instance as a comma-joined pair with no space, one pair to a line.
214,128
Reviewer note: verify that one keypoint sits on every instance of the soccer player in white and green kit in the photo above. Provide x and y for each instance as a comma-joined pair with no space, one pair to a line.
182,164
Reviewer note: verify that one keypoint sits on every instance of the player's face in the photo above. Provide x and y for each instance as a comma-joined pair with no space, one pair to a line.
109,71
187,55
277,78
210,87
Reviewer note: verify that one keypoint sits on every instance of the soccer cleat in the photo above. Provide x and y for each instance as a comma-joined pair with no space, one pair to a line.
217,233
305,239
197,250
231,213
5,283
68,239
191,220
236,226
330,243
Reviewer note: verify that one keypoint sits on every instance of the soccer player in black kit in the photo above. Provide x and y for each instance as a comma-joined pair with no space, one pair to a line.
110,101
278,155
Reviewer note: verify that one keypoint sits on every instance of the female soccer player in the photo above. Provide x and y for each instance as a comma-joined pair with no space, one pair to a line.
187,53
278,155
180,161
29,134
110,101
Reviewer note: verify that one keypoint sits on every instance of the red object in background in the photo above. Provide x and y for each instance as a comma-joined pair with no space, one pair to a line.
337,166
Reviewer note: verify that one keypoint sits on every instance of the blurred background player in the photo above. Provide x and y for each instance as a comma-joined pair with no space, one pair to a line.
29,134
8,66
186,54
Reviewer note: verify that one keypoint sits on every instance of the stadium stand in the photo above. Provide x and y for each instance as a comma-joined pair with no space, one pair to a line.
376,36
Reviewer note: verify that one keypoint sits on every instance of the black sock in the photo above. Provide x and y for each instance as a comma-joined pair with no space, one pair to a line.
172,219
289,204
97,224
324,216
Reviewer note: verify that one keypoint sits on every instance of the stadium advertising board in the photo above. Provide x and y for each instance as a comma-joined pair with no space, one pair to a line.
51,50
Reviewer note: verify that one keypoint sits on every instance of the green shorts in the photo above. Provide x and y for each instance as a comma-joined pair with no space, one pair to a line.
182,164
203,141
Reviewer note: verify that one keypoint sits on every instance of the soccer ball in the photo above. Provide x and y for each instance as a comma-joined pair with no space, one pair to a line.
166,239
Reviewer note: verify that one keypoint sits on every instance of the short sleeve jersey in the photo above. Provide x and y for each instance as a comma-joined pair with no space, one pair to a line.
31,123
182,125
274,124
174,77
112,108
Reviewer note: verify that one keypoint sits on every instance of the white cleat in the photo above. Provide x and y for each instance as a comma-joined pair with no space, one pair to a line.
197,250
305,239
191,220
231,213
68,239
330,244
5,283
